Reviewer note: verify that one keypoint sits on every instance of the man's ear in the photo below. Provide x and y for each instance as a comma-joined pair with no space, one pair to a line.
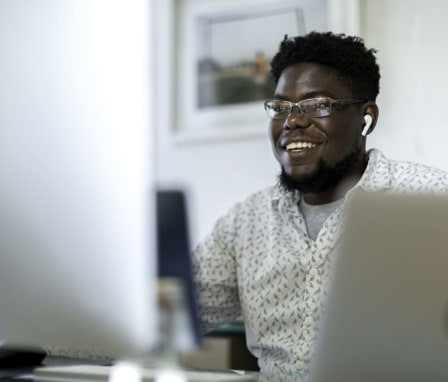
367,124
370,117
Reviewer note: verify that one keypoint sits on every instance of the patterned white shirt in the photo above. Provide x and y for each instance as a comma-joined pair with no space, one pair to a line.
259,262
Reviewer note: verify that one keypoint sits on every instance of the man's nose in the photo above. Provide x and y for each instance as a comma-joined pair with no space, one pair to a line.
296,119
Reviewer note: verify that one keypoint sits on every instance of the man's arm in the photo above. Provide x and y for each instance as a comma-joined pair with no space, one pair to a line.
215,273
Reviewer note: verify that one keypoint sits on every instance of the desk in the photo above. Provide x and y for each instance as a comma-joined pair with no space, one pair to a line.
12,374
25,374
224,348
226,345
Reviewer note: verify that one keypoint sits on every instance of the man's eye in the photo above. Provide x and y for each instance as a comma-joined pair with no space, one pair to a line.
279,108
319,105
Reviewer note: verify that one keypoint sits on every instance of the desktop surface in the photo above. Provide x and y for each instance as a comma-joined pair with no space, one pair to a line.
62,369
26,373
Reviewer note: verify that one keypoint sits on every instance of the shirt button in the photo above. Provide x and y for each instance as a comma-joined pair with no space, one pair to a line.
308,321
313,272
299,365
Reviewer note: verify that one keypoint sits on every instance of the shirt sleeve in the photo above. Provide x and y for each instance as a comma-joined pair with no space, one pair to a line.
215,271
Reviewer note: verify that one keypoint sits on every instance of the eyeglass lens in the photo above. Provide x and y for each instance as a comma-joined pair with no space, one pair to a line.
316,107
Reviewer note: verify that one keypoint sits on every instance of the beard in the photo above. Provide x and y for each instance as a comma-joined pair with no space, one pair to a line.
324,177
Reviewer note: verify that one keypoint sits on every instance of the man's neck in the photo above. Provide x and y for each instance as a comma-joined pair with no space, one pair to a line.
336,192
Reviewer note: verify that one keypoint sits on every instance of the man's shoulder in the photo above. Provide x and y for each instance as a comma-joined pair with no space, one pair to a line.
410,169
254,209
260,199
267,194
417,176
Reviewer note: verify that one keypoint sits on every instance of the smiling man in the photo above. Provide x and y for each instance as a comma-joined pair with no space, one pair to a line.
269,258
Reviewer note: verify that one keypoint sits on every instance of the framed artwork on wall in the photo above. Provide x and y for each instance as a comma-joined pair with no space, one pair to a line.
222,51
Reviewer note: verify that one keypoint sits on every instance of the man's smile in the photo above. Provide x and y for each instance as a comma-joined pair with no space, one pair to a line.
300,145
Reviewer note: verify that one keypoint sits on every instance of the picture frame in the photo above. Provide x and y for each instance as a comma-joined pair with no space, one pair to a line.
222,50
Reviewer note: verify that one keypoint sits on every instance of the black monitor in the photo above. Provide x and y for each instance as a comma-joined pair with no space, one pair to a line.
174,250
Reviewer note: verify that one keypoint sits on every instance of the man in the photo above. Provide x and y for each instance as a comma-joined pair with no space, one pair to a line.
269,257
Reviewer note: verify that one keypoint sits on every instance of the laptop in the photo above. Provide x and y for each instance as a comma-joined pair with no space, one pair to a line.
387,313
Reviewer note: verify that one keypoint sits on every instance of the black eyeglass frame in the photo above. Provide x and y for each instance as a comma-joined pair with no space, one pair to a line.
332,102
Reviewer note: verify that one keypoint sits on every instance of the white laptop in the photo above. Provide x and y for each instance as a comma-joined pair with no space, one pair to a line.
387,318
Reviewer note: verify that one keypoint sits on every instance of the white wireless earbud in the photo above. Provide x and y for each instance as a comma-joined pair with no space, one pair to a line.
368,122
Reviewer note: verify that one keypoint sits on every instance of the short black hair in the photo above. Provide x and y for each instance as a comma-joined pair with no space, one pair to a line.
346,55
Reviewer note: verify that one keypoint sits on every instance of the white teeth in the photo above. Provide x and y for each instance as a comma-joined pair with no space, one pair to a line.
300,145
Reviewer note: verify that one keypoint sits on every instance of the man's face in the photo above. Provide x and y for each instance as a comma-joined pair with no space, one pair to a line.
323,142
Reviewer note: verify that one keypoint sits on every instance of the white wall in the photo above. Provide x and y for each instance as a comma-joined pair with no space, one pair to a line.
409,36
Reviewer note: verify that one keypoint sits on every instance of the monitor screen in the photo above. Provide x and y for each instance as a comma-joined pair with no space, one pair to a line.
76,175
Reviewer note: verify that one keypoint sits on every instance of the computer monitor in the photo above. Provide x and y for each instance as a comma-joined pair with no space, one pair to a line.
76,176
175,263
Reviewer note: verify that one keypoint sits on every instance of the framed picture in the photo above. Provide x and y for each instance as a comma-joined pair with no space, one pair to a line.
222,51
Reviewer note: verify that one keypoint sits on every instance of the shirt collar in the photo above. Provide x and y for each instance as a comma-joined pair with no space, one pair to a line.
376,177
284,200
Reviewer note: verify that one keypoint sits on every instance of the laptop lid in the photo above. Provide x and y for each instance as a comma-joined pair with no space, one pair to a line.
387,314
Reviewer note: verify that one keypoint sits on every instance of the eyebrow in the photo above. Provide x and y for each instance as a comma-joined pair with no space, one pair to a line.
313,94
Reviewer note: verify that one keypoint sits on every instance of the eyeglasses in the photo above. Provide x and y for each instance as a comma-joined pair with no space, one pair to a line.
313,107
